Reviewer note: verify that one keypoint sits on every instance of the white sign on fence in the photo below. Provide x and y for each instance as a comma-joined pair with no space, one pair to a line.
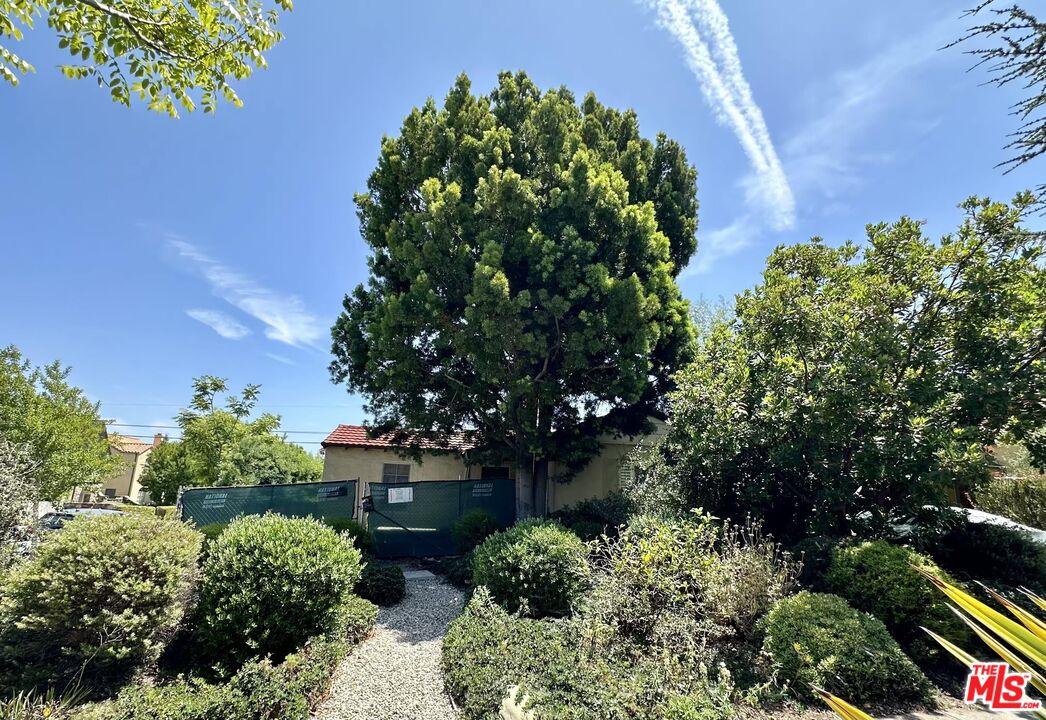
401,495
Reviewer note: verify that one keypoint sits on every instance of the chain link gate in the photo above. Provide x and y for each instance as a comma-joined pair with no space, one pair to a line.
416,519
207,505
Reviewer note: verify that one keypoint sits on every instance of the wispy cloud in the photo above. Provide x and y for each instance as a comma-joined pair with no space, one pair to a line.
723,242
279,358
221,323
285,317
702,29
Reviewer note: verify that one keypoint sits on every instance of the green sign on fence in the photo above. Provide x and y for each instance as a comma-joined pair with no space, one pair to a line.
207,505
416,519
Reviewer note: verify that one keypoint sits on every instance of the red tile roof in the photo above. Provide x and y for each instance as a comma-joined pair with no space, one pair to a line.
356,436
130,444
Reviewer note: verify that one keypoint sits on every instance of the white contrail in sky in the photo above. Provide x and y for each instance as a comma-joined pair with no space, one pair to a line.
702,29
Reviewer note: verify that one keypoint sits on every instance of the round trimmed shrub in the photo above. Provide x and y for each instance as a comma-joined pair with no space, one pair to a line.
362,538
382,583
101,597
994,555
817,639
472,528
270,583
535,565
211,531
880,578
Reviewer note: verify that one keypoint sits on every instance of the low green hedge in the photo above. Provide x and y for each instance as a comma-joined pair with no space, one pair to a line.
589,519
472,528
819,640
994,555
881,579
382,583
362,538
536,565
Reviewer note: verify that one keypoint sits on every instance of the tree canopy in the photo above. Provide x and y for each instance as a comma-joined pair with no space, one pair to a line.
222,445
1014,53
856,383
522,277
167,53
55,423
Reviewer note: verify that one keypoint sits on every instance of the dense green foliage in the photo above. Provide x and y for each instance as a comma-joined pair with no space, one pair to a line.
382,583
1017,490
271,582
589,519
223,446
857,382
167,53
819,640
536,567
361,537
994,555
458,569
684,587
486,651
880,579
473,527
524,250
19,488
60,427
96,601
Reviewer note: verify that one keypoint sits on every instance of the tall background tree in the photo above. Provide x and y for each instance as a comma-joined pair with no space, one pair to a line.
522,276
167,53
55,423
857,383
1014,52
221,445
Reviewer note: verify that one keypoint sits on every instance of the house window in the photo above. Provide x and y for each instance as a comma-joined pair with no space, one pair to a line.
495,472
625,474
110,492
395,473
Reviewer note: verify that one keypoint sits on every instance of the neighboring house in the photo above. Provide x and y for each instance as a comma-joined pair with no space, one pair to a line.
127,483
350,454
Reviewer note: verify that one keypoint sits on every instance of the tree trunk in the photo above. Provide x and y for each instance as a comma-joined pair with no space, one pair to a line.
540,487
524,489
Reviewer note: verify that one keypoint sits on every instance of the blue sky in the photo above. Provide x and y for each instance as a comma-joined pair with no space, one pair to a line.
144,251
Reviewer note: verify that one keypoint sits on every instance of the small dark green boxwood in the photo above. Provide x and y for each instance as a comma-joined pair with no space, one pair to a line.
362,538
880,578
819,640
382,583
472,528
536,565
269,583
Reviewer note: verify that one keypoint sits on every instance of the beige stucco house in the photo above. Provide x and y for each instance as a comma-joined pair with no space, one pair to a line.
349,454
135,454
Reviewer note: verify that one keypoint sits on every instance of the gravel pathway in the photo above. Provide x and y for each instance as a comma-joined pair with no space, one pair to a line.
394,674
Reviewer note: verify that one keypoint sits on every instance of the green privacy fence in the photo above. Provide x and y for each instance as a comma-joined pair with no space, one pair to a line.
206,505
416,519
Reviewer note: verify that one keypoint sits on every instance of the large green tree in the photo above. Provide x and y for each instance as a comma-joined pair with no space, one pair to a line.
167,53
522,277
60,428
222,445
857,383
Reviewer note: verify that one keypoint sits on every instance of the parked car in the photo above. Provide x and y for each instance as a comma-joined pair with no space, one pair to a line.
56,520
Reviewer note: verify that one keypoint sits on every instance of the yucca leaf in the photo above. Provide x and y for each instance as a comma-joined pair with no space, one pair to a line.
1011,658
957,652
1013,633
842,708
1041,603
1037,626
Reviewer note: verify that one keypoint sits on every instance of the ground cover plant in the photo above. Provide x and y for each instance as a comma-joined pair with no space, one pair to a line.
382,583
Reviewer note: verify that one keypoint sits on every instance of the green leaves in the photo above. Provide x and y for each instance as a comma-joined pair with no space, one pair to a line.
522,273
170,54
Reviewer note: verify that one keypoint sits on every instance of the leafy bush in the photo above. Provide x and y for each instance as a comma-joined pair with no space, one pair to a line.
99,598
681,585
382,583
1019,498
820,640
458,569
815,554
880,578
486,651
474,527
32,706
994,555
211,531
193,700
591,518
355,618
362,538
269,583
536,566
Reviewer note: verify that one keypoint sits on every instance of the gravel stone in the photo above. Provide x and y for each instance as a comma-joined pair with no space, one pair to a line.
394,674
